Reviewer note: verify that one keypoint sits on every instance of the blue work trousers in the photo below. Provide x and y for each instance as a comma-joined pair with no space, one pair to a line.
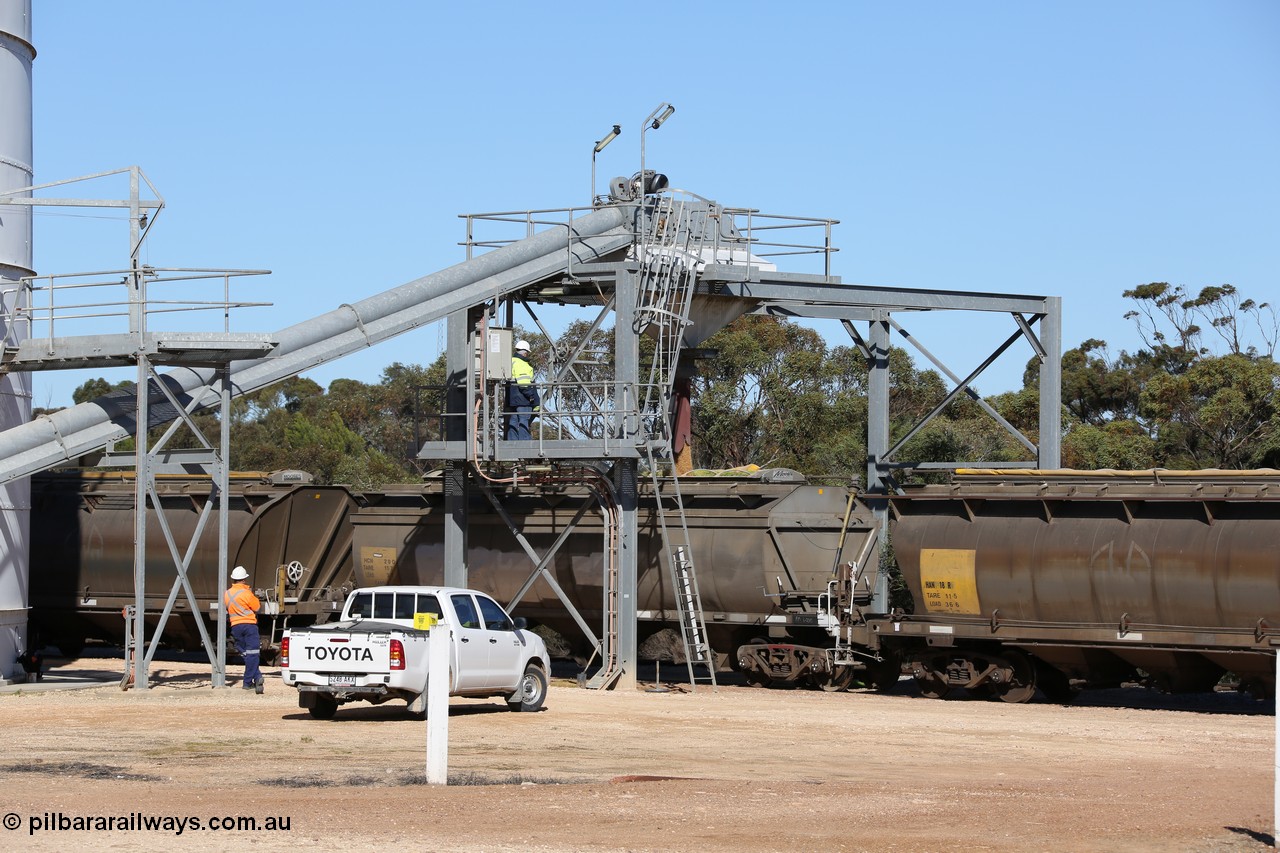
250,646
518,424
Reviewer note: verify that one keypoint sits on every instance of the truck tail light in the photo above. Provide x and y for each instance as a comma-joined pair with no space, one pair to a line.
284,653
397,654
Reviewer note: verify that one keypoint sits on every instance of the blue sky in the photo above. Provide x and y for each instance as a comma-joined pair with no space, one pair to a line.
1060,149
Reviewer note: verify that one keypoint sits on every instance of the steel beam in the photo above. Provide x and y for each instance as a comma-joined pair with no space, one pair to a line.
821,293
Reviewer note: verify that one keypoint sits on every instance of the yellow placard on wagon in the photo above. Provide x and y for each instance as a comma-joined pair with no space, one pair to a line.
947,581
425,621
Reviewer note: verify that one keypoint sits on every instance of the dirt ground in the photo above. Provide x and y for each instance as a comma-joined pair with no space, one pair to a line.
742,768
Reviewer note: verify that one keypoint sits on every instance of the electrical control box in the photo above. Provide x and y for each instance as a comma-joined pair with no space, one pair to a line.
497,354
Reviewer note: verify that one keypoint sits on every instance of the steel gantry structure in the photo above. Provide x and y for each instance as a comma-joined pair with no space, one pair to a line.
659,265
68,321
610,412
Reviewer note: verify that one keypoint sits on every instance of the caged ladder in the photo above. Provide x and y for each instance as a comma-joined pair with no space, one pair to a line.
670,254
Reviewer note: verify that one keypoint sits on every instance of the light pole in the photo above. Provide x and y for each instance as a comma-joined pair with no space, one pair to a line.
653,122
617,128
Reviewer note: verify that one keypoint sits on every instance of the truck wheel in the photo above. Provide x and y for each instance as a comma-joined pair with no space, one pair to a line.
324,708
532,691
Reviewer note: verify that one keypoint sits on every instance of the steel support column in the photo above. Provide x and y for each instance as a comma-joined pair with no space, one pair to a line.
878,481
627,375
222,475
142,477
459,365
626,483
1051,385
877,403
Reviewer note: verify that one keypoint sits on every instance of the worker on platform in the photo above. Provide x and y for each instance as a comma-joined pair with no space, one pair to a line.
522,395
242,610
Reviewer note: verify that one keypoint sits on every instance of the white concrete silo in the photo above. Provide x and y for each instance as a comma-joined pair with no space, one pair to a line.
16,57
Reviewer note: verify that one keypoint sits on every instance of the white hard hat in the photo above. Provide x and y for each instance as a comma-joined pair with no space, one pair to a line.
522,345
239,573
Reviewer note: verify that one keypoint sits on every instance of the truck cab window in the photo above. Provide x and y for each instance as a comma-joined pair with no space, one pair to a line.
429,604
495,618
466,611
362,606
384,605
405,604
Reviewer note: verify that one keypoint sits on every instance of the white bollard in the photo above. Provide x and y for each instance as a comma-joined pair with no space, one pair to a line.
439,646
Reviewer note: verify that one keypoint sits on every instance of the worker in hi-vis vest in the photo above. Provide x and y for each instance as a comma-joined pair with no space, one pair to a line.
242,611
522,395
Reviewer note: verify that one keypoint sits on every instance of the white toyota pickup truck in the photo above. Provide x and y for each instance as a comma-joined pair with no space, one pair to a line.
374,653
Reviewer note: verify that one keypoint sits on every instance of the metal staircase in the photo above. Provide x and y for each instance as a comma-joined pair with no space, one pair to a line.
670,255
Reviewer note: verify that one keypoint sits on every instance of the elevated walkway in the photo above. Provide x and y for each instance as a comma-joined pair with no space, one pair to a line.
195,349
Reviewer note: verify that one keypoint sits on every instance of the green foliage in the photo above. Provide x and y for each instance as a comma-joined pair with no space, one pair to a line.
1095,388
1122,444
92,389
1176,403
1218,414
1219,306
356,433
776,395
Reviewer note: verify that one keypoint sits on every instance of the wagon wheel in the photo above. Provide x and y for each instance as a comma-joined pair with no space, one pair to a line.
833,682
933,684
884,674
1022,686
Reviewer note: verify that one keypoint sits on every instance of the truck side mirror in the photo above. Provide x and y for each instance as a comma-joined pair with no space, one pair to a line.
519,623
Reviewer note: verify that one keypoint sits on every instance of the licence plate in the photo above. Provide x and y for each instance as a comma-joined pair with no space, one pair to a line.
342,681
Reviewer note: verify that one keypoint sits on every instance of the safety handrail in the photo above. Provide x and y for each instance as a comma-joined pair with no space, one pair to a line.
747,227
39,303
